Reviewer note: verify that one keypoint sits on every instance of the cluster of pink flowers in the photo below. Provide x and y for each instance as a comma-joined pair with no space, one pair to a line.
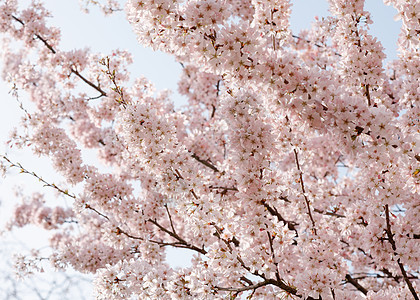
294,170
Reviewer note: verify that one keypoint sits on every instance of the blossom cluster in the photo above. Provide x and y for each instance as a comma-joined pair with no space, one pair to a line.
293,170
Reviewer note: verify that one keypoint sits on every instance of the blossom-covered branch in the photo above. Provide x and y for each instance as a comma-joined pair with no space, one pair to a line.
293,170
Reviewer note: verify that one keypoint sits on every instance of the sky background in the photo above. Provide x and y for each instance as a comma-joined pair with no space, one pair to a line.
104,34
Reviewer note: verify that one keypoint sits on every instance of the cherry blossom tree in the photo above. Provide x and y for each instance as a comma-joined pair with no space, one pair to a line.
292,173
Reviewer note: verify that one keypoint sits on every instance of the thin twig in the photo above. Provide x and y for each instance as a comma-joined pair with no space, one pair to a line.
15,94
111,75
302,185
170,218
46,183
388,274
273,256
160,243
87,205
315,44
224,188
243,289
329,213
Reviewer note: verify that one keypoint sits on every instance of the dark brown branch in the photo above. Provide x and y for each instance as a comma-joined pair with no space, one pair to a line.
388,231
287,288
333,294
302,185
273,37
180,244
367,94
213,111
218,87
88,82
243,289
218,234
278,282
266,282
273,256
223,189
120,231
387,275
170,218
249,282
329,213
178,238
274,212
37,36
96,211
160,243
391,240
396,278
354,282
194,194
384,270
213,107
205,162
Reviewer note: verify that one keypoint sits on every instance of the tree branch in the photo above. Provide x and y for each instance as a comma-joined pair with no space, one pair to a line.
391,240
302,185
36,35
388,275
178,238
180,244
278,282
329,213
96,211
273,256
205,162
274,212
354,282
170,218
102,93
23,170
245,288
367,94
73,70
